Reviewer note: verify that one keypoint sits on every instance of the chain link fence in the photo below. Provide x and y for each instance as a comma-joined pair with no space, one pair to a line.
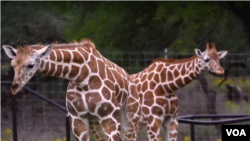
37,120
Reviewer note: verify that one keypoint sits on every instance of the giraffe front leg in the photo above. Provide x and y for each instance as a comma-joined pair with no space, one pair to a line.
171,128
79,123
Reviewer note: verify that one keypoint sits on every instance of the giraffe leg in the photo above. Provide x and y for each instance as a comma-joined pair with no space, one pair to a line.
130,120
106,126
107,131
153,128
171,128
80,128
96,129
111,129
141,125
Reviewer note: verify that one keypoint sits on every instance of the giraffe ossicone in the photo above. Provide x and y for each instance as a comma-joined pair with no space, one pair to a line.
101,97
157,83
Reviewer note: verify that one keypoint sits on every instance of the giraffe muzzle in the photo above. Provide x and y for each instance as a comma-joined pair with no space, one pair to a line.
14,86
219,71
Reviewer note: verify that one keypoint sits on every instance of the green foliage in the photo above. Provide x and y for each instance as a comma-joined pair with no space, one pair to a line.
235,81
98,26
196,18
130,26
35,22
181,26
126,26
234,108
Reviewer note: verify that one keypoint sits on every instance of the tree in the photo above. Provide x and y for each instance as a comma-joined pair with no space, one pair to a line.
131,26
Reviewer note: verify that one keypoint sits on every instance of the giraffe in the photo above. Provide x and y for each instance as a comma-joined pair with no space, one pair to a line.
156,85
101,97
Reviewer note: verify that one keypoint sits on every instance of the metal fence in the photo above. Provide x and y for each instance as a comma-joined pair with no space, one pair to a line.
45,121
189,119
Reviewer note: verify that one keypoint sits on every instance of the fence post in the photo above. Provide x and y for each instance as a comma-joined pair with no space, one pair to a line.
192,132
14,117
67,128
166,51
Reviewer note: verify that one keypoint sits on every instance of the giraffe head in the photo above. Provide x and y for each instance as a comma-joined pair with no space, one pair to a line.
25,63
210,59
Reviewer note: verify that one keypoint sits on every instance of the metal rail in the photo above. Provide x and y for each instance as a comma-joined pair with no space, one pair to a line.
14,110
189,119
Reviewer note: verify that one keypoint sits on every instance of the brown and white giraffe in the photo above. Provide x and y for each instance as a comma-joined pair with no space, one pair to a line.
156,85
101,97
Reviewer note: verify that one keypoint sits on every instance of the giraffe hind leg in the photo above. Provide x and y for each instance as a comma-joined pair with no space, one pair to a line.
129,120
170,126
130,115
107,133
80,128
110,129
153,128
97,131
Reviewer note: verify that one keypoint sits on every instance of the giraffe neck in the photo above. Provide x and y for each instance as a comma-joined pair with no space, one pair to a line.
67,63
182,72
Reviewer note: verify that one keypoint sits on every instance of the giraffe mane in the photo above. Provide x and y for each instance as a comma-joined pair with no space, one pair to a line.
171,61
84,42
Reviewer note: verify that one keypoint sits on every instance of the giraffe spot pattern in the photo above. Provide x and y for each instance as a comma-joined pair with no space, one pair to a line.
71,109
42,64
106,93
105,109
102,67
52,56
95,82
74,71
92,99
93,64
84,73
58,70
68,58
77,58
110,124
157,110
46,67
145,110
52,69
59,56
168,77
78,104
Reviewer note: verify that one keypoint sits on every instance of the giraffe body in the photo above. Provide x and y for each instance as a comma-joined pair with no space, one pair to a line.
101,97
156,85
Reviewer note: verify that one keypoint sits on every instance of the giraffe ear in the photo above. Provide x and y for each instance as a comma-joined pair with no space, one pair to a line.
10,51
45,51
222,54
198,52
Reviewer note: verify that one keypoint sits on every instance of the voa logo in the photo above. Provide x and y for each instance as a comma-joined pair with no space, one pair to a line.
236,132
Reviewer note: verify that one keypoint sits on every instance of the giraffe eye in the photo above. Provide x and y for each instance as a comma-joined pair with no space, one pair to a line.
207,60
30,66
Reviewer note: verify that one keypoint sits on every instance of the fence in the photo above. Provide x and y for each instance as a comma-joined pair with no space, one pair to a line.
14,110
182,119
33,111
